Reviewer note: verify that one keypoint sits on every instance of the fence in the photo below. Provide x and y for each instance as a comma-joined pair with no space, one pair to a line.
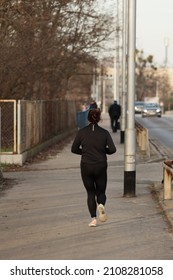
8,126
26,124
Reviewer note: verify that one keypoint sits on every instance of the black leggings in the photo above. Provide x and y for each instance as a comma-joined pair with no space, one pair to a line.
94,177
114,124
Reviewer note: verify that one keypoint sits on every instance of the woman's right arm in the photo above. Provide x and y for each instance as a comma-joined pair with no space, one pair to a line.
110,149
76,146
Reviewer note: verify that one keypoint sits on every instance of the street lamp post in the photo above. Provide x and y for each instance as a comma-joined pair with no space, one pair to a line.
124,71
130,133
166,43
116,57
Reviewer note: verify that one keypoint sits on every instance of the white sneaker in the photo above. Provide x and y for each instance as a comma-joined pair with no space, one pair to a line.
102,215
93,223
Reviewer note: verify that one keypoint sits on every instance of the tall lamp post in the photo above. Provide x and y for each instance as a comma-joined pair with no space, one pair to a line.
116,57
124,71
130,133
166,43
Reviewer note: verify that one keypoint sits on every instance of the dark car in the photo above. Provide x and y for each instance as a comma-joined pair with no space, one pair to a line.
151,109
138,106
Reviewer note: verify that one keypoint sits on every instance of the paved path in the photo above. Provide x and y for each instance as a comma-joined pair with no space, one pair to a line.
44,215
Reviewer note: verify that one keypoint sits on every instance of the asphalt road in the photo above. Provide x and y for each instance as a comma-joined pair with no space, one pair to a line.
159,128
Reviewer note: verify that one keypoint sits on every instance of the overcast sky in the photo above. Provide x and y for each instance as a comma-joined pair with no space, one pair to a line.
155,24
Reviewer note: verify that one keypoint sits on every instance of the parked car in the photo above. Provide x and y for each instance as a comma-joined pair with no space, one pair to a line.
138,106
151,109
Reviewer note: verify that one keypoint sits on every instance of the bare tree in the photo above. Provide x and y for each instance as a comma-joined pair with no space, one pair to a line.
152,81
145,75
43,43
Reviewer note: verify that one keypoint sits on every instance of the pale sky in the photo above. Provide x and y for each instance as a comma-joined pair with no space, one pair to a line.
154,24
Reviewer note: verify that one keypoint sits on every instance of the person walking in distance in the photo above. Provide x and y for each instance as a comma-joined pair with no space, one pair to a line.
114,113
93,143
93,105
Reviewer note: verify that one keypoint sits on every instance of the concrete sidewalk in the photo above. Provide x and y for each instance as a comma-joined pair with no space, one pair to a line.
44,215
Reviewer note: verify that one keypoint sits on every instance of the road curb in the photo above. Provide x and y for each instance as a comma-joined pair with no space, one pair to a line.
158,151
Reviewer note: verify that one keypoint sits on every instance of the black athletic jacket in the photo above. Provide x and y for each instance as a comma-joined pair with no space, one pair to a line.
93,143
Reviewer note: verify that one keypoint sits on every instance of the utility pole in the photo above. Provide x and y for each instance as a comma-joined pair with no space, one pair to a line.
97,84
116,57
166,43
104,92
124,71
130,133
102,86
94,83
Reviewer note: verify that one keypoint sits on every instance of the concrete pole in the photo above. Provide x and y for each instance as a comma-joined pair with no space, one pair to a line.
94,84
115,75
166,42
124,71
97,86
130,133
116,57
101,88
104,92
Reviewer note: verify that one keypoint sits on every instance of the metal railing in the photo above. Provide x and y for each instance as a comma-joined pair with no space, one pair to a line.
142,138
167,179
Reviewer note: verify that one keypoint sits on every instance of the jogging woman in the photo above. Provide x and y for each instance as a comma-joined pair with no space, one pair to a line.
93,143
